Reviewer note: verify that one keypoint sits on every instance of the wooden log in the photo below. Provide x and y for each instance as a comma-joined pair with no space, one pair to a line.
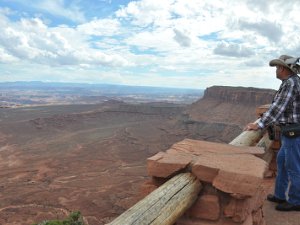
164,205
178,204
247,138
267,144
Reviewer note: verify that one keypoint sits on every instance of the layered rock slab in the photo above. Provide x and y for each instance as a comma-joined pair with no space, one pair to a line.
235,173
197,148
229,168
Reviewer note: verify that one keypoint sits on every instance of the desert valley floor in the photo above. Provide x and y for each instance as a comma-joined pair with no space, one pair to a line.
60,158
55,159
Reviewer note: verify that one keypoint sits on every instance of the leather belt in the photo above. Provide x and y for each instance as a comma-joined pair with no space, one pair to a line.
286,124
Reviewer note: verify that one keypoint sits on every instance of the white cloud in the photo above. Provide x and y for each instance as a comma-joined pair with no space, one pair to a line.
146,12
32,40
61,8
145,42
158,40
103,27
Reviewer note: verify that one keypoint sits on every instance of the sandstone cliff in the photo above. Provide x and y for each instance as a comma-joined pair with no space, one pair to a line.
239,95
223,111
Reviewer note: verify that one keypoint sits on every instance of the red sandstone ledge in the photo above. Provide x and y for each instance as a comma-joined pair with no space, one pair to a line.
231,169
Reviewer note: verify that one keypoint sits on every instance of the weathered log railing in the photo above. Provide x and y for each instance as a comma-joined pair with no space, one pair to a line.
165,204
168,203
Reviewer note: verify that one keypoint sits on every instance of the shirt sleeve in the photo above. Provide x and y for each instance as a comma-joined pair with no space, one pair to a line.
278,106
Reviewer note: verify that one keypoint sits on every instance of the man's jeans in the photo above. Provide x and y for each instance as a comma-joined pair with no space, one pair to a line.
288,170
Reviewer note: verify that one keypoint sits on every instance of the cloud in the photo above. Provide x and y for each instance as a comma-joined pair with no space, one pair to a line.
262,6
182,39
158,41
60,8
146,12
6,58
268,8
33,41
255,63
191,40
100,27
233,50
270,30
65,9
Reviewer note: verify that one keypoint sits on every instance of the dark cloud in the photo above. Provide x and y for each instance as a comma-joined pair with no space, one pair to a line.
270,30
232,50
182,39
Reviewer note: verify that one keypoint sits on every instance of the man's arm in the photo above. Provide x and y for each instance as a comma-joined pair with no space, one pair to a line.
276,109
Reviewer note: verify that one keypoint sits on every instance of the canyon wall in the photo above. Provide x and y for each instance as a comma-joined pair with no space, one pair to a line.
223,111
239,95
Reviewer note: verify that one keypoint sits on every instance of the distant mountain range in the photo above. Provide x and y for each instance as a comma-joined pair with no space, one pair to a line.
101,88
36,93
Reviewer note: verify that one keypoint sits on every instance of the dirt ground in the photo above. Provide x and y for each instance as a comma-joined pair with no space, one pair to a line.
91,158
274,217
54,160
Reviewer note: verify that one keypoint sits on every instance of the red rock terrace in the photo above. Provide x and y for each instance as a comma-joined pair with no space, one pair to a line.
204,183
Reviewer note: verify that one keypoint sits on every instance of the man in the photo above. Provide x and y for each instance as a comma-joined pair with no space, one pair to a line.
284,112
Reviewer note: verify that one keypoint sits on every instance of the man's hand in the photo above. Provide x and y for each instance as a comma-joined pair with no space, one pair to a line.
252,126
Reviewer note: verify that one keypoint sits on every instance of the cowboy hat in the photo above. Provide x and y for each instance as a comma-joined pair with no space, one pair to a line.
287,61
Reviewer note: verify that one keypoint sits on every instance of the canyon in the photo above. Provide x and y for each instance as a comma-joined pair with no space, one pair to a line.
92,157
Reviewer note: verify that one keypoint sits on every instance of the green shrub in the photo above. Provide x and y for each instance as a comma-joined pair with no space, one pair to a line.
74,218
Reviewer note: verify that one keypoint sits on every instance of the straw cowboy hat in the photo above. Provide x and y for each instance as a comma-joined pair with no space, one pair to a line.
287,61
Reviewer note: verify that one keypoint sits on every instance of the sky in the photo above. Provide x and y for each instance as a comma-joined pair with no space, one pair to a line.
165,43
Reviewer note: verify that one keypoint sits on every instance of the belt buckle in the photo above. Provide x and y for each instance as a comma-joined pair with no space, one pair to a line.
291,133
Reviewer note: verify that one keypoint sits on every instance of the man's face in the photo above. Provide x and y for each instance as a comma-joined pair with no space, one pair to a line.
279,70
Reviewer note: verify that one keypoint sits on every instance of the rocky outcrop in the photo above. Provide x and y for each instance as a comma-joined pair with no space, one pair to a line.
231,106
231,178
239,95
